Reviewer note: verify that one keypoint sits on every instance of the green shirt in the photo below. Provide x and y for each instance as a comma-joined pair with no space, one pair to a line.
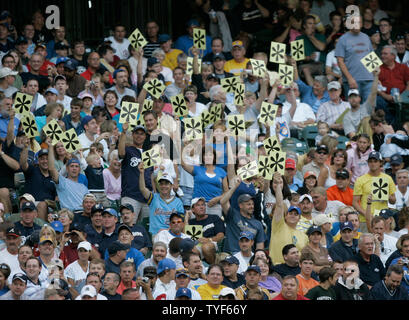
319,293
309,48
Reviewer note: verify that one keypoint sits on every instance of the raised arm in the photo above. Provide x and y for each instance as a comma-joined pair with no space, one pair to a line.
122,141
51,162
142,187
278,190
374,89
225,200
10,128
24,156
189,168
263,92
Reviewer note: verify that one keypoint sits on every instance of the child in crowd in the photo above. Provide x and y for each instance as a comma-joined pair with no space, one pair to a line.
323,130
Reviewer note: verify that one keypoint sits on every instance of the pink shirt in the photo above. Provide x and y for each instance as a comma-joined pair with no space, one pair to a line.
357,165
112,185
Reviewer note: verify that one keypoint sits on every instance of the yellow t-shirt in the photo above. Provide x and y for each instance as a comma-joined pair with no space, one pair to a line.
234,67
171,59
281,235
363,187
209,293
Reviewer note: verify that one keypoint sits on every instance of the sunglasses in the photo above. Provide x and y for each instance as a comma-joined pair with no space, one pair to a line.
322,152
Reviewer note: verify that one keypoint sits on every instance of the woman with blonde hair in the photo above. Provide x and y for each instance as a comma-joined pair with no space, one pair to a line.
66,217
48,232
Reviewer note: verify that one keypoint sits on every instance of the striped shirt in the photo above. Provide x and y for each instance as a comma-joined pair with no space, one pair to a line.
304,224
149,48
329,111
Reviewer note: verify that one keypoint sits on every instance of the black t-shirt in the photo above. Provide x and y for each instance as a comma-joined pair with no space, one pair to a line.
81,219
26,231
116,296
251,19
234,285
34,179
141,237
95,178
284,269
370,272
164,139
212,225
6,176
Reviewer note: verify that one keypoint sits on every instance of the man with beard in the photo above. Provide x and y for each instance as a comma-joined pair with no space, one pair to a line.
159,251
75,82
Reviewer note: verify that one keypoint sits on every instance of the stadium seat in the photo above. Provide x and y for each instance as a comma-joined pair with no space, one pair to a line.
342,142
308,134
295,145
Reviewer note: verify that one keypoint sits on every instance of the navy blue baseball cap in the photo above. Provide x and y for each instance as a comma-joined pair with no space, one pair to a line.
386,213
183,292
71,64
231,260
86,119
164,38
152,61
346,225
110,211
117,246
254,268
193,23
21,40
28,206
313,229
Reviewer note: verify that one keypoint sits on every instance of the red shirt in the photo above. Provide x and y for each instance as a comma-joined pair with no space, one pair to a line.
88,75
43,70
334,193
394,78
299,297
122,287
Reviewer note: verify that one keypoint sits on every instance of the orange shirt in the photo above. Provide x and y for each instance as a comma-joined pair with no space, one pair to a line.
305,285
334,193
122,287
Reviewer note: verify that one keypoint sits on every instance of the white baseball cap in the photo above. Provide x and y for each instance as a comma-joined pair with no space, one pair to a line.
4,72
85,245
225,291
305,196
334,85
166,177
353,91
88,290
196,200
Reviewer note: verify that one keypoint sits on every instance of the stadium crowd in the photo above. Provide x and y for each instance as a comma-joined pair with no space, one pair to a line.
91,214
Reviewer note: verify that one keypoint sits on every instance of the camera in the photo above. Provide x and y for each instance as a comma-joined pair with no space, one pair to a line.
405,261
145,279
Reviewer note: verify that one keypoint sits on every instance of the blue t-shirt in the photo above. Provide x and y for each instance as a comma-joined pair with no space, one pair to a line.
4,122
133,255
70,193
221,153
207,187
237,223
308,96
185,42
160,211
130,174
34,178
353,48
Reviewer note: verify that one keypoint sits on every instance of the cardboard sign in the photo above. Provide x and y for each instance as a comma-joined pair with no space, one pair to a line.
248,171
137,40
277,161
179,105
199,38
286,74
155,88
237,125
380,189
272,145
22,103
53,131
70,141
189,66
371,61
277,52
151,158
264,167
193,128
129,112
147,105
229,84
239,94
195,232
297,50
268,113
29,125
259,68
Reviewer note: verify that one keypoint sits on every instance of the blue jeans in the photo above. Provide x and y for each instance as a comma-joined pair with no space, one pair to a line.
364,88
187,195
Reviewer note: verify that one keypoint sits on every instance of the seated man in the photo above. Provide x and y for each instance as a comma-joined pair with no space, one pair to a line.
346,247
341,190
253,277
176,228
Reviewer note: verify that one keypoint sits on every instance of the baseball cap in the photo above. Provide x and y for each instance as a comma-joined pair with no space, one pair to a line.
396,159
226,291
181,215
193,23
75,226
116,72
110,211
84,245
42,152
21,40
346,225
165,264
182,272
152,61
231,260
51,90
4,72
247,235
86,119
290,163
71,64
375,155
253,268
313,229
164,38
294,208
27,197
244,198
45,239
334,85
117,246
97,207
28,206
61,46
57,263
353,91
88,290
124,226
40,45
219,55
186,245
12,231
86,95
343,174
321,219
212,76
310,173
59,77
126,206
61,60
305,196
139,128
323,147
196,200
238,43
166,177
20,276
386,213
73,160
183,292
57,226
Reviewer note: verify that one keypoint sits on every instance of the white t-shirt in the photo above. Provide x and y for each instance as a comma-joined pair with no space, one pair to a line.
10,259
165,236
389,246
86,143
121,49
160,291
401,199
167,74
99,297
75,272
332,62
302,113
66,102
200,107
244,262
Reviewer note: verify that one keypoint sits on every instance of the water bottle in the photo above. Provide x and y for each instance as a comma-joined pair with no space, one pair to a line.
395,94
